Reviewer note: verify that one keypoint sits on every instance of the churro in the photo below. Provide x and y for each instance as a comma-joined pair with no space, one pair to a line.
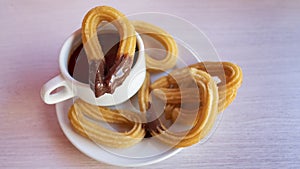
169,61
205,116
231,77
85,119
105,77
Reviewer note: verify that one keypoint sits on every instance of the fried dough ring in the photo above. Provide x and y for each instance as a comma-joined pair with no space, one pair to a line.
229,84
105,77
230,75
169,61
204,119
81,113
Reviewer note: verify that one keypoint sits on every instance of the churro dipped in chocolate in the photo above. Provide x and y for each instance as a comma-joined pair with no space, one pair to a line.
105,74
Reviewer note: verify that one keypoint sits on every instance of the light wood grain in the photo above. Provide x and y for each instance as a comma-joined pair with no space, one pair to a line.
261,129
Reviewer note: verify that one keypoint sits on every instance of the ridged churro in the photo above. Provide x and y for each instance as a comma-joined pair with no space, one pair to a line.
104,77
231,77
169,61
85,119
205,116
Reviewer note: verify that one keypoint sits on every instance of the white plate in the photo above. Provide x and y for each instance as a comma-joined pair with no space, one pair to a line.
148,151
101,154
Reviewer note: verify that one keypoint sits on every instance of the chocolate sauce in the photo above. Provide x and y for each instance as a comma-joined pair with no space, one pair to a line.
151,126
78,61
153,122
109,74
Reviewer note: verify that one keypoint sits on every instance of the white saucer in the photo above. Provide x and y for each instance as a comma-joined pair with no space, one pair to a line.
152,150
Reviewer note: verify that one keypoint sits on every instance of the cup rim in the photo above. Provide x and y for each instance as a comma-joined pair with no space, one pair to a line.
67,47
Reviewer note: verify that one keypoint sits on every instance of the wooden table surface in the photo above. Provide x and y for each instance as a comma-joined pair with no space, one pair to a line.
261,129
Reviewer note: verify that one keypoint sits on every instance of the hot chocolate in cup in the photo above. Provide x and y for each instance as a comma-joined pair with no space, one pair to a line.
73,78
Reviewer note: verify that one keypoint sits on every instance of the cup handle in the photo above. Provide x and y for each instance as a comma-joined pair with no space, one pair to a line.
63,94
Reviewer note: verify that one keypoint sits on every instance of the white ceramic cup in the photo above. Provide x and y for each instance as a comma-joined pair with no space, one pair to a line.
70,87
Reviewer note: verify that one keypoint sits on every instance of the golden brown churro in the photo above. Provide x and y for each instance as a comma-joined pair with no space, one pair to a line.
231,77
105,77
204,119
154,65
84,117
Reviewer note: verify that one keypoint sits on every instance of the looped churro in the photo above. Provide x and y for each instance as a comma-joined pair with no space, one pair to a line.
230,74
104,76
84,119
169,61
231,77
205,117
